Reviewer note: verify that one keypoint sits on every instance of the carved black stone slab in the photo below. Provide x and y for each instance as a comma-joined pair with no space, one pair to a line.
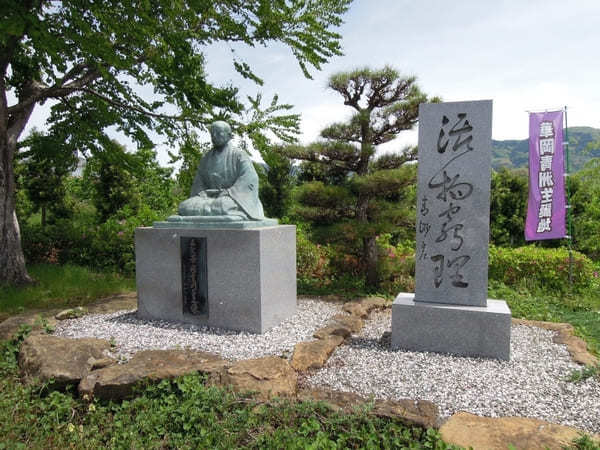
194,276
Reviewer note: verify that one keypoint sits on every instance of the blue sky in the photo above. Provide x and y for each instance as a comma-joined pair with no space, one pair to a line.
524,55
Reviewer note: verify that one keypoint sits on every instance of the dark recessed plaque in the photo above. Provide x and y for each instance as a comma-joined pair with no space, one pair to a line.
194,276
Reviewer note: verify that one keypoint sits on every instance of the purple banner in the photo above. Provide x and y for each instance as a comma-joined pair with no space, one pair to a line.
546,208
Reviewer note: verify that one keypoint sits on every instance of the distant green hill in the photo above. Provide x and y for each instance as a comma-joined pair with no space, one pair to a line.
584,144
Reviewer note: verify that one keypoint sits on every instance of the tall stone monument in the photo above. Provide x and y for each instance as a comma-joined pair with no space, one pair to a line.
219,262
449,311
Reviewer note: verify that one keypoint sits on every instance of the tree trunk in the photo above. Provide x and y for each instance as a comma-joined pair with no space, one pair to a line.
369,242
12,261
370,252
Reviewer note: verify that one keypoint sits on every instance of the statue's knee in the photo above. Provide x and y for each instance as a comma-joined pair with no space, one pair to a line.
190,207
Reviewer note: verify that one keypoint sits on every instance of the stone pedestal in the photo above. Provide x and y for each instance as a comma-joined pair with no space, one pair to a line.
477,331
450,311
237,279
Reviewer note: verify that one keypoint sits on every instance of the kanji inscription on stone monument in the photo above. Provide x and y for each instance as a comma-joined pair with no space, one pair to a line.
453,202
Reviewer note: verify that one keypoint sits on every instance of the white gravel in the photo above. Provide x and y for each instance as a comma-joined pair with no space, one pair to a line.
532,384
131,334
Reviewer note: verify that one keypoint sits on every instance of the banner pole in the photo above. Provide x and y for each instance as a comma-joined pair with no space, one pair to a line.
569,223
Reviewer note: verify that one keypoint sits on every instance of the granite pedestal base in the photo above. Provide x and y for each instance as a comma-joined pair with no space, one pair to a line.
246,277
477,331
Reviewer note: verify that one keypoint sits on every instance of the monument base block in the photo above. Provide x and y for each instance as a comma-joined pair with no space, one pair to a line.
475,331
237,279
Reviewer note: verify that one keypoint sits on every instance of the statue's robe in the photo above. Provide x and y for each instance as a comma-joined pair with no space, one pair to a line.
232,171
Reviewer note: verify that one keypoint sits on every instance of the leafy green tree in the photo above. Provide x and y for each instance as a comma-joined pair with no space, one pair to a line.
314,171
153,182
276,183
372,196
119,183
110,183
585,201
134,65
508,207
188,156
46,163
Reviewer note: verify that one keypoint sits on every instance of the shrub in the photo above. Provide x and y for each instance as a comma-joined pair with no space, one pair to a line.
396,266
312,262
108,246
539,268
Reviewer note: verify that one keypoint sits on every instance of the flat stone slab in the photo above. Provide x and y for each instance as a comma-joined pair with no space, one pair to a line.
411,412
353,323
335,329
71,313
374,303
459,330
357,309
118,382
314,354
486,433
10,326
267,377
66,361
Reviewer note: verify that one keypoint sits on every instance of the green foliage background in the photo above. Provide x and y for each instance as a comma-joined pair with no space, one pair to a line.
584,144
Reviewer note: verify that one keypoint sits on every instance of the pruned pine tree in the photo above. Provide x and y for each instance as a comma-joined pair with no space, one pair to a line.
370,196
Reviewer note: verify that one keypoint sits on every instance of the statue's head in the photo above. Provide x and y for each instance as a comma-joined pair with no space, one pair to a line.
220,132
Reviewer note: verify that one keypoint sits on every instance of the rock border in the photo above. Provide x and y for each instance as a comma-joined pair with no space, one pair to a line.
477,432
39,320
272,376
315,354
565,335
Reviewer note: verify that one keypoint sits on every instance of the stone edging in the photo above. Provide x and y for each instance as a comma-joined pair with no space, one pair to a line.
34,319
314,354
43,357
565,334
268,376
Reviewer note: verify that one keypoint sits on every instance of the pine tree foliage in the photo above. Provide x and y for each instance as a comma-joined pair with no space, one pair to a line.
375,193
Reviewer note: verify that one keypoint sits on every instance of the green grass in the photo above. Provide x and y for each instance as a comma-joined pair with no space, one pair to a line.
61,286
585,443
581,309
585,373
184,413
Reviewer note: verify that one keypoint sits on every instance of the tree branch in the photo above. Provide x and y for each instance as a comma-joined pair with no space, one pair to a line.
130,107
40,91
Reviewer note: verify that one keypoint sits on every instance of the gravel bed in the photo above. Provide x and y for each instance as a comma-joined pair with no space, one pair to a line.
131,334
531,384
